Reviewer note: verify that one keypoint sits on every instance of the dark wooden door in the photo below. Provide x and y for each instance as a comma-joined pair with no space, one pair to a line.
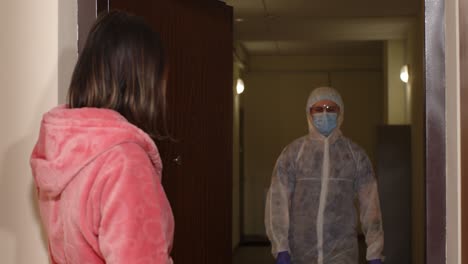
197,174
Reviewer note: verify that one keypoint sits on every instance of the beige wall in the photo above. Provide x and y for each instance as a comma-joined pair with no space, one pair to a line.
405,105
453,201
398,114
37,51
235,159
274,104
241,63
415,55
235,174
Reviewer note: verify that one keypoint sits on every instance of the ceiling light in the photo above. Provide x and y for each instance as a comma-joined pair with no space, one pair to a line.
404,74
239,19
240,86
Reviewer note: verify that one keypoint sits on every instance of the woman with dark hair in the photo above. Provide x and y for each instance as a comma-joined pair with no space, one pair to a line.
96,167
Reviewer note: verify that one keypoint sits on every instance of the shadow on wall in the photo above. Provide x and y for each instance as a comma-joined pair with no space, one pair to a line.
17,191
16,201
18,196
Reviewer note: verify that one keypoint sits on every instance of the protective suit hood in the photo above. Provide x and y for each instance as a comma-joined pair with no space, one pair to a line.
324,93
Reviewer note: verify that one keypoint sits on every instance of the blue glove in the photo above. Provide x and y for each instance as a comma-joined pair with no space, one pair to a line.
283,258
375,261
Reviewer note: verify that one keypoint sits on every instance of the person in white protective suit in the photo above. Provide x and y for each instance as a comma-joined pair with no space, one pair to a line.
310,215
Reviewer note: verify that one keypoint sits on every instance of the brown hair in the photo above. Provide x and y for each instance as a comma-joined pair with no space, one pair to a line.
122,67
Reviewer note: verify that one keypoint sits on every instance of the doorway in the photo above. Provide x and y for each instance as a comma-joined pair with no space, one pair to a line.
286,48
433,247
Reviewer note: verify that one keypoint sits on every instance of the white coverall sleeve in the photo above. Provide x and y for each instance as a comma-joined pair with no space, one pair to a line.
278,204
369,206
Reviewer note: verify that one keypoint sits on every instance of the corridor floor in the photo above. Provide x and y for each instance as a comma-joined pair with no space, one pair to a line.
253,255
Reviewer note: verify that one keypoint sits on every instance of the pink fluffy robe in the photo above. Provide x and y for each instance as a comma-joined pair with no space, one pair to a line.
99,189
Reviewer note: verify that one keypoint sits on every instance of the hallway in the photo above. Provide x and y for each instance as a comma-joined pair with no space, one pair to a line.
253,255
262,254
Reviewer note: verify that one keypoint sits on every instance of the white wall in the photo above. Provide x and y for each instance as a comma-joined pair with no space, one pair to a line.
38,52
453,193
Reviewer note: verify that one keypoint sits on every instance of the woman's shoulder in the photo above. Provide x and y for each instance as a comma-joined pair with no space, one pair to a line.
127,153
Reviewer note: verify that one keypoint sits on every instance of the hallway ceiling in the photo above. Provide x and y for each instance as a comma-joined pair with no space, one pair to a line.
312,27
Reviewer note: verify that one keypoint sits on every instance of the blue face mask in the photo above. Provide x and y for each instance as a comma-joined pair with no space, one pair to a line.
325,122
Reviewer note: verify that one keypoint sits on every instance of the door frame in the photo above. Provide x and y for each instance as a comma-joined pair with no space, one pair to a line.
463,56
434,66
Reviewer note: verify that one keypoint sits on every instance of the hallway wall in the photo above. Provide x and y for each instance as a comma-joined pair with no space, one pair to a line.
38,52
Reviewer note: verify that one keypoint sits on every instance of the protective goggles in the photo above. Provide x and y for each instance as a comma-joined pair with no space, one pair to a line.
326,108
